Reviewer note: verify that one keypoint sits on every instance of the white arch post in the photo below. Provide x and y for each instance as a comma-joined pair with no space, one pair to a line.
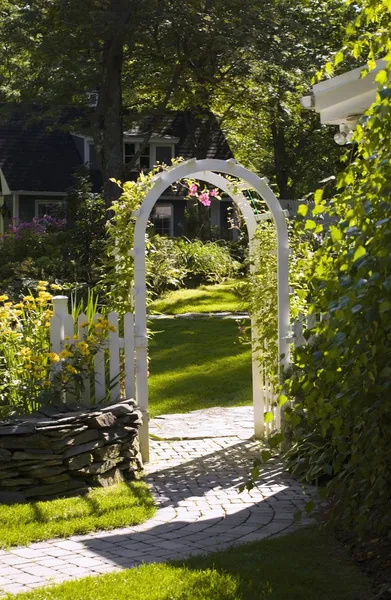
206,170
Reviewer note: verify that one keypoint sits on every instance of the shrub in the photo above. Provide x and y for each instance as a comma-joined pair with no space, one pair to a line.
206,262
340,420
258,291
32,251
70,250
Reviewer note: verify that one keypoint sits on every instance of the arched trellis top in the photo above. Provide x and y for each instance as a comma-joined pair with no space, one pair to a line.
209,171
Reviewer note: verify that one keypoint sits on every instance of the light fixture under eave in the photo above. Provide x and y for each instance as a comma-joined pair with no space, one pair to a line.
340,139
346,133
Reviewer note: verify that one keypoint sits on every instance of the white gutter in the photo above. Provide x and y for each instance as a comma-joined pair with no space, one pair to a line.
344,98
4,185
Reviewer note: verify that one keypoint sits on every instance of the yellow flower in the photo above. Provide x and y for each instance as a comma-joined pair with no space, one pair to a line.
71,369
45,295
112,328
54,357
65,354
83,348
3,297
55,286
85,324
44,283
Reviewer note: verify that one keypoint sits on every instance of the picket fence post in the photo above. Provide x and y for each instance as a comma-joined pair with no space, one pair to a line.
120,376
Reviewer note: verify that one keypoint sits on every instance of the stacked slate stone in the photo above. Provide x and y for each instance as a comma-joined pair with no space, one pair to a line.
65,450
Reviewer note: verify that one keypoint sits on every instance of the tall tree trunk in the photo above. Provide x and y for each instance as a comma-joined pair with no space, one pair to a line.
279,151
107,122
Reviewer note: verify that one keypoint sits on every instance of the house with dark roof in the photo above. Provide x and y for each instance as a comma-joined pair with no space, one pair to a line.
39,156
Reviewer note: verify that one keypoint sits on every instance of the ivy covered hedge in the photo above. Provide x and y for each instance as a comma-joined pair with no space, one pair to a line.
340,421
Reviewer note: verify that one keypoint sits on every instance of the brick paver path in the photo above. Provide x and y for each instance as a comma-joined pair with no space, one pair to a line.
199,508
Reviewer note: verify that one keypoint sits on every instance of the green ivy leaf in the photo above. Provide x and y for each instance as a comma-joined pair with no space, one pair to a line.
282,399
360,251
302,210
310,224
382,77
336,234
268,417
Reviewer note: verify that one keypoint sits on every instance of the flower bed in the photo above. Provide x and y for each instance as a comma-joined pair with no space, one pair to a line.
64,450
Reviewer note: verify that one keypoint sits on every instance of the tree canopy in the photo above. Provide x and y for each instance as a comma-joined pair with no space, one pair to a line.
247,61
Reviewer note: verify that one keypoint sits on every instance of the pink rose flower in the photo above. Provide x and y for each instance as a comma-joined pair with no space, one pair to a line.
214,193
193,189
204,199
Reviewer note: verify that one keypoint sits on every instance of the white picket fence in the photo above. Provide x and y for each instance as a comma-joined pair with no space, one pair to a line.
302,324
114,372
267,402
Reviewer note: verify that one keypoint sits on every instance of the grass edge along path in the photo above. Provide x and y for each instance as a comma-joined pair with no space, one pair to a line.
219,297
305,565
121,505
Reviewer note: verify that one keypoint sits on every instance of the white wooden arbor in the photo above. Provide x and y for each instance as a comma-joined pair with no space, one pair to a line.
207,170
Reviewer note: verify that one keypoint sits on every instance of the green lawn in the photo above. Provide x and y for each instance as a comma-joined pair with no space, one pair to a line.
306,565
103,508
197,364
207,298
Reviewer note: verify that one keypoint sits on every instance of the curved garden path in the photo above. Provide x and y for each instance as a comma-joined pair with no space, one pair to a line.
197,462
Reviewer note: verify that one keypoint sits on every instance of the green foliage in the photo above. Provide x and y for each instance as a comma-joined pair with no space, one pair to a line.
68,250
32,375
178,262
340,420
120,505
259,291
31,256
206,262
24,347
84,243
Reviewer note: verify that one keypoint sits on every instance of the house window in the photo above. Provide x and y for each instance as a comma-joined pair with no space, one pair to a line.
164,154
150,156
163,219
129,152
48,207
144,160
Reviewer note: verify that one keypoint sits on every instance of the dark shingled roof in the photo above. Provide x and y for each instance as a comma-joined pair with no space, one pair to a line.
37,153
199,136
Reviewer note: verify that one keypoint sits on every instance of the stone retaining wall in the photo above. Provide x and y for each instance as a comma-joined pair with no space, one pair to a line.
65,450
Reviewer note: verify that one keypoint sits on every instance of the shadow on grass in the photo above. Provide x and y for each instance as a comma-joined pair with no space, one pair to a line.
198,364
200,299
